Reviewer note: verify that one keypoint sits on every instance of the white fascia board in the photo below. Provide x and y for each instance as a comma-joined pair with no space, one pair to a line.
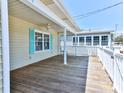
93,31
62,8
39,7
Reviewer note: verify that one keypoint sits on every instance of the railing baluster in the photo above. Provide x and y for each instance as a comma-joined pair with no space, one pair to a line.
112,63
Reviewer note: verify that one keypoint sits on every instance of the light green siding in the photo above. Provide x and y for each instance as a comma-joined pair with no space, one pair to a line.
19,43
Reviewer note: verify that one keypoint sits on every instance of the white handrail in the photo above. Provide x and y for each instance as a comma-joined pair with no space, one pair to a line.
113,63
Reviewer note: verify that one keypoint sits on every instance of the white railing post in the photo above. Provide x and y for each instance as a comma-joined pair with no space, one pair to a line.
114,70
65,51
112,62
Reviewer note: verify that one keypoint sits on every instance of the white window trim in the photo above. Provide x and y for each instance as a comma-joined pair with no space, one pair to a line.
86,39
49,42
92,39
77,43
99,39
108,40
43,50
79,40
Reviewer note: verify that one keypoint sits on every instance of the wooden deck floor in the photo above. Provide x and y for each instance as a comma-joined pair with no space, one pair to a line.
51,76
97,78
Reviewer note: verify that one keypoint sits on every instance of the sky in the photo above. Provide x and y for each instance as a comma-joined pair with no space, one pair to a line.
103,20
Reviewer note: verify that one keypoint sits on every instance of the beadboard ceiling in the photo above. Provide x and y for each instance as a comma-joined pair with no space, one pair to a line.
20,10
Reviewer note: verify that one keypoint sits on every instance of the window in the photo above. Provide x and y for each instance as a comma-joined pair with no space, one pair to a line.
42,41
96,40
104,40
46,41
88,40
38,41
81,40
75,40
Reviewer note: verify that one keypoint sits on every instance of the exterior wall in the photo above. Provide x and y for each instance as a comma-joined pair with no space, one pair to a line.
19,44
1,68
70,39
79,49
1,63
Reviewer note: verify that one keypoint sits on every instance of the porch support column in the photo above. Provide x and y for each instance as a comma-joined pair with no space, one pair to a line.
109,40
84,40
5,46
100,40
65,51
92,40
76,44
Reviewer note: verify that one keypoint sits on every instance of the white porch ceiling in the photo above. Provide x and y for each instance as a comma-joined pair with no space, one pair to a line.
20,10
47,2
61,12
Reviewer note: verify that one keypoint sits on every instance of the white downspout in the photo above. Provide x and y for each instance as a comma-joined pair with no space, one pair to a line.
65,51
5,46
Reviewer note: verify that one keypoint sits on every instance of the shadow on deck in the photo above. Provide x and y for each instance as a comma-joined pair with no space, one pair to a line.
51,76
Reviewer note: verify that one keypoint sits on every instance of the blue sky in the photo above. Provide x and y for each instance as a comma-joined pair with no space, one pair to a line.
103,20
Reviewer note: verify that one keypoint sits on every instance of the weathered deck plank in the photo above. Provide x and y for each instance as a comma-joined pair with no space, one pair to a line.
51,76
97,79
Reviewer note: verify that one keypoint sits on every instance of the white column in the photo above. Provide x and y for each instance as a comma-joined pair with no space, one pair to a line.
5,46
109,40
65,51
84,40
76,43
100,40
92,40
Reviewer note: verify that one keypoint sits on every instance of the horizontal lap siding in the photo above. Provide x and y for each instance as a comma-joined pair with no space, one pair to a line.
19,44
1,70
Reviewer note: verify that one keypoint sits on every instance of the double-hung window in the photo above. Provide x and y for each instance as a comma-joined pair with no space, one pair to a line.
75,40
88,40
42,41
38,41
46,42
96,40
104,40
81,40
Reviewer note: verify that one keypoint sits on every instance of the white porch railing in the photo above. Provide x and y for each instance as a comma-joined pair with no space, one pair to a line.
112,62
80,50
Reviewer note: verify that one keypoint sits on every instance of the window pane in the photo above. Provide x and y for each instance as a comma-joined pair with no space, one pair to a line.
38,41
81,40
96,40
88,40
104,40
46,41
75,40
